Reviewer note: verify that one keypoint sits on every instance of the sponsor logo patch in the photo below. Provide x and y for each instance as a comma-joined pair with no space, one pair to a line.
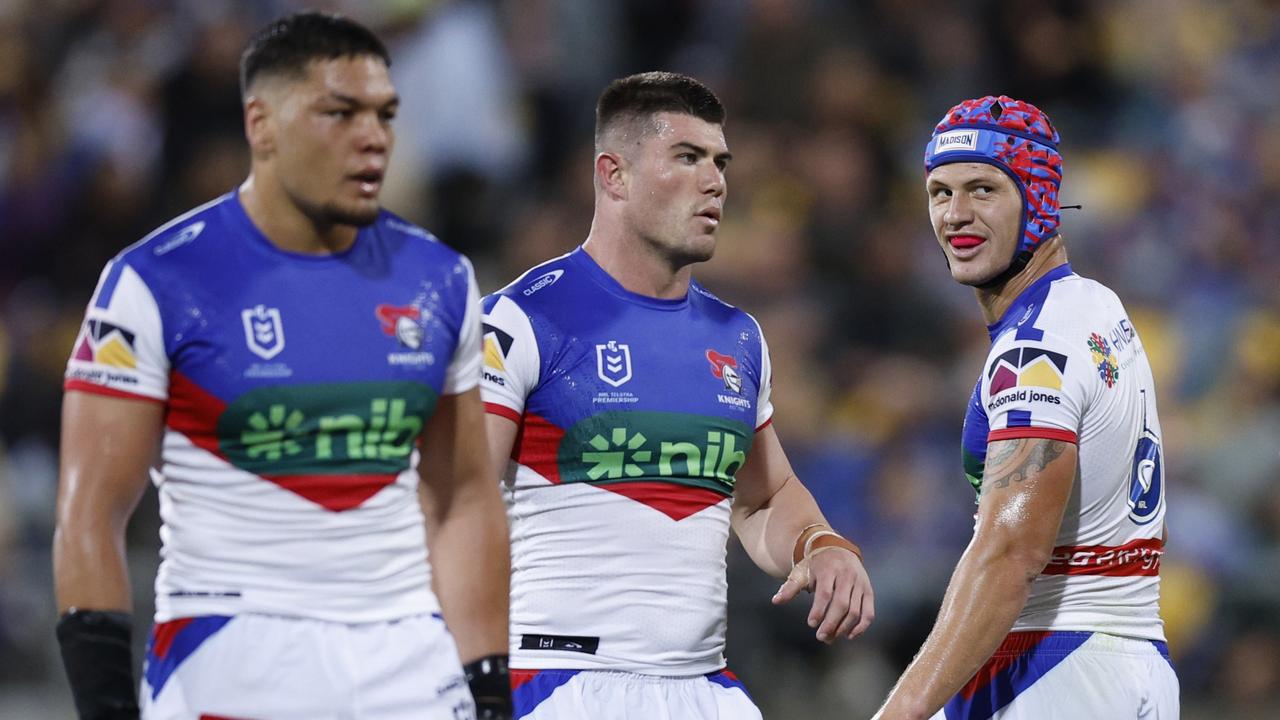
1026,367
184,236
497,345
956,140
542,282
1104,359
107,344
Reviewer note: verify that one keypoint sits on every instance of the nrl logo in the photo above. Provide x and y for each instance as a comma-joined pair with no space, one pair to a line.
263,331
613,363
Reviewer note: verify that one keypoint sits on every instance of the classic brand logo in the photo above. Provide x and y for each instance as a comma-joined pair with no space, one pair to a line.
956,140
542,282
613,362
263,331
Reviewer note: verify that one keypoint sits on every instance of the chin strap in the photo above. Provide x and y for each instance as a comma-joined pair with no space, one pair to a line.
1016,265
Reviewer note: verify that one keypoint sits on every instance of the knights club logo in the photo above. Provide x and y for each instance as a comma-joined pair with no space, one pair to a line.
404,323
263,331
613,362
725,367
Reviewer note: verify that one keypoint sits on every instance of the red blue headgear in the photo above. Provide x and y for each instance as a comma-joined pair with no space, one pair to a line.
1017,138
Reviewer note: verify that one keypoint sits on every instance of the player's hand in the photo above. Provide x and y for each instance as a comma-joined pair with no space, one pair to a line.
843,601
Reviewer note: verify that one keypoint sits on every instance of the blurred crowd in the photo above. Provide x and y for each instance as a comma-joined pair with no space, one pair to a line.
118,114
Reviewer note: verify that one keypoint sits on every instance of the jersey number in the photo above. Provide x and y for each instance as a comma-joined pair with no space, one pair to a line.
1146,484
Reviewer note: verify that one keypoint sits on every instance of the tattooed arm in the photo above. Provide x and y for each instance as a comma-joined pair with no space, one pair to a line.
1028,482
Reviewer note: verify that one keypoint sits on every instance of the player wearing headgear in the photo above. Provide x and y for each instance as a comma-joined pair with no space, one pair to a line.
289,351
1053,610
632,410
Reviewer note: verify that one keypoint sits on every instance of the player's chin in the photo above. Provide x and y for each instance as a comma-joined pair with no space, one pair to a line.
358,213
971,276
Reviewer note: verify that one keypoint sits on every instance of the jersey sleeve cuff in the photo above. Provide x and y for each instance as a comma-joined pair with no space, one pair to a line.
95,389
502,411
765,424
1018,433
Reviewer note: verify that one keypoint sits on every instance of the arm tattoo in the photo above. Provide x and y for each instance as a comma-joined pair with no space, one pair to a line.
1017,460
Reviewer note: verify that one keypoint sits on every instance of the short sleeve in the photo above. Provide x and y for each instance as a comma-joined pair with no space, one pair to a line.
511,358
120,349
1034,389
764,406
464,371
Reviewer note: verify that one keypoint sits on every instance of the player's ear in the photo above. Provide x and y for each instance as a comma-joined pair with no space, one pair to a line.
610,175
259,127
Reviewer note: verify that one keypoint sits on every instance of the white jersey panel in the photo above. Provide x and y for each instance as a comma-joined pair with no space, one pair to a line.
764,407
511,357
649,590
119,347
1076,371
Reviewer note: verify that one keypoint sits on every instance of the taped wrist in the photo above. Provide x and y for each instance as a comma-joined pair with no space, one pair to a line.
818,536
490,681
97,654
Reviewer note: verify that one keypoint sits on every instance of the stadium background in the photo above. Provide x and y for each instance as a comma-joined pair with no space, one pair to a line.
117,114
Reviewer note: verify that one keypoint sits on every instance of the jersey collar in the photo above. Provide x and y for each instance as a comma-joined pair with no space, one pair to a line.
1026,307
583,260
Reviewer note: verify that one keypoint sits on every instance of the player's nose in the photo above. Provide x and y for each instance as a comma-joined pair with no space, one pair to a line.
959,210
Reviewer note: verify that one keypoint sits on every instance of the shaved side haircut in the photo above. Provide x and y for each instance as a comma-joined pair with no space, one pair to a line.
632,101
287,46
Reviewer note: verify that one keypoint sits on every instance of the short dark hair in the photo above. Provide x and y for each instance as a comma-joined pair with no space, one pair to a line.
646,94
289,44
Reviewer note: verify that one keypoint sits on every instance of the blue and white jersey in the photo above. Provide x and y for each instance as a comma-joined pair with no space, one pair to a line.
1066,364
296,388
635,413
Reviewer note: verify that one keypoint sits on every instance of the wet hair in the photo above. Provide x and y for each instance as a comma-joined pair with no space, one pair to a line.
640,97
288,45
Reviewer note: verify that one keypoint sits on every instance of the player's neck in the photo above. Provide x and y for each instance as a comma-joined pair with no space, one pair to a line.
996,302
286,226
634,264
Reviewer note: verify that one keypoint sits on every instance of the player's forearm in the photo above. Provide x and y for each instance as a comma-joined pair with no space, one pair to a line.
89,567
769,531
471,568
986,593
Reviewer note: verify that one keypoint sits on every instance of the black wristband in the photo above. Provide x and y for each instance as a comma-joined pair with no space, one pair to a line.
97,654
490,681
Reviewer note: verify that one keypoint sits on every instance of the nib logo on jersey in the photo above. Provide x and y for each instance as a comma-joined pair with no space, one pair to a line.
1026,374
676,463
406,323
335,445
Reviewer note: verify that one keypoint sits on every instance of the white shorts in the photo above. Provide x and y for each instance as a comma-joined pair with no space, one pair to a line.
261,667
606,695
1068,676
